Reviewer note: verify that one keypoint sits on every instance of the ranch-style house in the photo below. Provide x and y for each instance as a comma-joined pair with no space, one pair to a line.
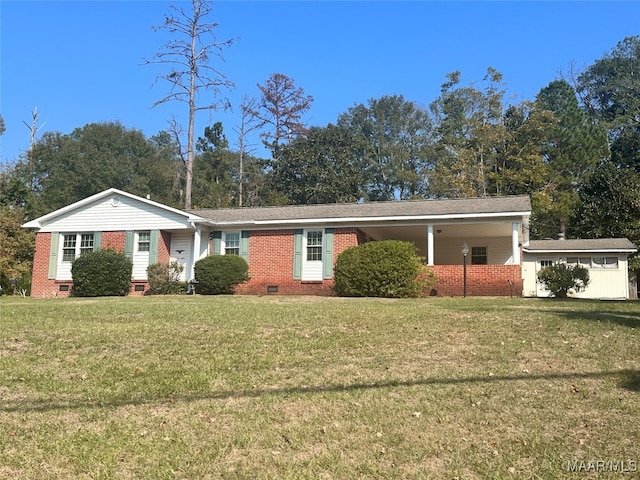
292,249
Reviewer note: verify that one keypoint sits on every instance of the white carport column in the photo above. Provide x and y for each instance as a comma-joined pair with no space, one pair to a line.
197,235
515,250
430,244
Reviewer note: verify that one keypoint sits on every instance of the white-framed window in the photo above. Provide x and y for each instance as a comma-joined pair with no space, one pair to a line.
75,244
582,261
605,262
144,241
611,262
479,255
594,262
141,254
314,245
230,243
313,254
545,263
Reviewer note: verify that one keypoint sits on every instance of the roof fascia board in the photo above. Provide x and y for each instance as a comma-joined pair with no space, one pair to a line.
200,221
373,220
587,250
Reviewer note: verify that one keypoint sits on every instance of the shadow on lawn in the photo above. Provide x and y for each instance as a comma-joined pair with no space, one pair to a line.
626,379
626,319
630,380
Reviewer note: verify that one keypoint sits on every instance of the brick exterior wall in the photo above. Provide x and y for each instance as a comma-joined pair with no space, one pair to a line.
271,265
271,262
164,247
42,286
490,280
115,240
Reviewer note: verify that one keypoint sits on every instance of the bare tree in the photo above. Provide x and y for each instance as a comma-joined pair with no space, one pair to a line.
175,131
33,128
281,106
248,123
190,74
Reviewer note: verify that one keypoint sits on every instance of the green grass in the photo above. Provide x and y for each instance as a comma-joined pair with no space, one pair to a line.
296,387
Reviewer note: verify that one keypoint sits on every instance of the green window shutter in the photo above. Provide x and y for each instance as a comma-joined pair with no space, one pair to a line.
153,246
97,240
128,243
244,245
217,242
298,247
53,255
327,254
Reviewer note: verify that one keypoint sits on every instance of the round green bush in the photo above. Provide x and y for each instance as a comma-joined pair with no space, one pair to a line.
101,273
560,278
390,269
219,274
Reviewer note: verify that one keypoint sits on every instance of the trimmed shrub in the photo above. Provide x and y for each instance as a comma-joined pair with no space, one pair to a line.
164,278
101,273
390,268
560,278
219,274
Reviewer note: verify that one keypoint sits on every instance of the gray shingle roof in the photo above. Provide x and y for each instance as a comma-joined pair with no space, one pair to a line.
397,209
592,244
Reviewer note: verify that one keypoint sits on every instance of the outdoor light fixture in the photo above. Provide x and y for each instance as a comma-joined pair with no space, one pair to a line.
465,252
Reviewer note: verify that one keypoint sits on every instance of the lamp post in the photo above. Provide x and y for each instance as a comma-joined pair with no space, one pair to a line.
465,252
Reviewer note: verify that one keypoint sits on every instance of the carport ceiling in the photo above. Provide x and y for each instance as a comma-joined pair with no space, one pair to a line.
414,232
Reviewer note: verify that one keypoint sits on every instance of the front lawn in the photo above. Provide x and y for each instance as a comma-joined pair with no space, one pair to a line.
194,387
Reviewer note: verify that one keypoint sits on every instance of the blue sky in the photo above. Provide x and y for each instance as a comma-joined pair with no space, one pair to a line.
82,61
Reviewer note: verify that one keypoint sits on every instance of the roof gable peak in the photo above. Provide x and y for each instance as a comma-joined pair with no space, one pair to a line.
111,192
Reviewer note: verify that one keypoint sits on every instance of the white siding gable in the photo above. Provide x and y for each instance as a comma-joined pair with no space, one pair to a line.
116,213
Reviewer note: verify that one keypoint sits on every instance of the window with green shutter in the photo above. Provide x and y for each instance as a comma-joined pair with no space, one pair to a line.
314,245
232,243
144,241
76,244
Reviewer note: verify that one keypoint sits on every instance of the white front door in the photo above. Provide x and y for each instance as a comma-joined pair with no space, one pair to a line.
182,252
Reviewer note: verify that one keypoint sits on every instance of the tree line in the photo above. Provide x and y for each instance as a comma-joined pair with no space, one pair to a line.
574,149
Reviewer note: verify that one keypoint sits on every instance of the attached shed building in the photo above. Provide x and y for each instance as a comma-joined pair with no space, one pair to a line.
606,259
